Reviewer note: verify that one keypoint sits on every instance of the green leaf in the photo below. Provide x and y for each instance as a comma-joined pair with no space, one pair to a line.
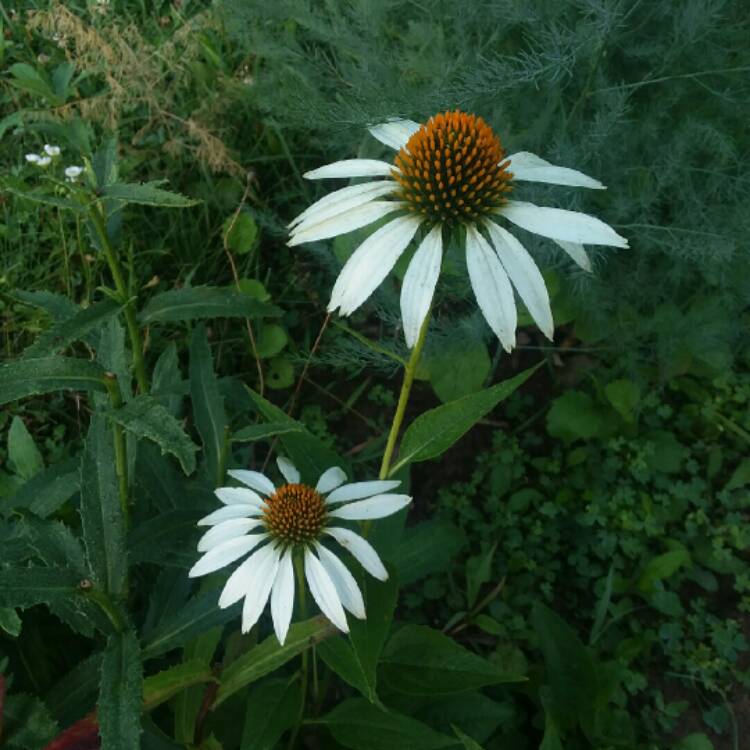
244,232
472,712
10,622
167,383
26,723
661,567
208,405
75,328
168,538
433,432
73,696
280,373
426,548
478,572
694,741
23,455
32,377
271,340
624,395
466,741
58,306
571,673
458,369
148,194
741,475
145,417
272,708
269,655
49,490
120,694
40,195
29,79
356,661
359,725
263,431
25,587
309,455
191,303
573,416
101,514
161,687
421,661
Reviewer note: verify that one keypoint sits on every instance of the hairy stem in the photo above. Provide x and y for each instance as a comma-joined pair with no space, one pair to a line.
121,456
299,569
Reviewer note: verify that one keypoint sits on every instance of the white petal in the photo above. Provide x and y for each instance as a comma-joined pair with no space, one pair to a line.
282,597
241,580
354,218
361,549
253,479
419,284
330,479
257,595
342,200
224,554
238,496
577,252
51,150
288,470
352,168
492,288
379,506
370,263
525,277
226,530
532,168
324,592
230,511
343,580
357,490
395,133
558,224
33,158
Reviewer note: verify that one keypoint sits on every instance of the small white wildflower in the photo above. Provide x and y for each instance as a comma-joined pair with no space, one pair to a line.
44,161
51,150
33,158
73,173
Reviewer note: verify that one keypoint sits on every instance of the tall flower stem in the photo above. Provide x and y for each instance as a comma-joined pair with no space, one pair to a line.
403,398
123,291
299,569
121,456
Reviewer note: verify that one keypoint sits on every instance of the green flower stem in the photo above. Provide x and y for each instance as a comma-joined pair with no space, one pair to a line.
121,455
403,399
122,287
299,569
108,607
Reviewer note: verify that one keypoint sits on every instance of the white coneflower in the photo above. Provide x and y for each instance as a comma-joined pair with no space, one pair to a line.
51,150
33,158
293,519
450,171
73,173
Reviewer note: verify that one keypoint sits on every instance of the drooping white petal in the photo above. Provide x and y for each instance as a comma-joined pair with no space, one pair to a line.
358,490
260,588
238,496
525,276
324,592
343,580
532,168
577,252
33,158
254,480
230,511
330,479
288,470
492,288
395,133
370,264
361,550
419,283
354,218
352,168
224,554
282,597
239,583
342,200
51,150
226,530
558,224
379,506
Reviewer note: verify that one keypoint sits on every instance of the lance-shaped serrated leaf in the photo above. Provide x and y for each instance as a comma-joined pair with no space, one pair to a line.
41,195
272,709
25,587
26,723
147,194
145,417
120,693
164,685
264,431
32,377
193,303
208,404
269,655
48,491
101,514
65,332
75,693
433,432
58,306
